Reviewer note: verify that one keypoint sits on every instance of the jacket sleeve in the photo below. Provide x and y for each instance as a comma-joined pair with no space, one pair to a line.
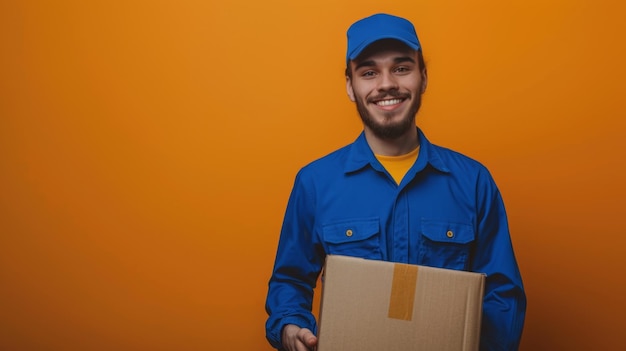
504,306
299,260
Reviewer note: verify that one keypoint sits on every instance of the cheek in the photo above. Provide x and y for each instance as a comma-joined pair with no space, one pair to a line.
360,92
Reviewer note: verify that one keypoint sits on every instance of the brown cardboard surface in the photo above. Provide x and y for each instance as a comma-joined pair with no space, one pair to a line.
359,295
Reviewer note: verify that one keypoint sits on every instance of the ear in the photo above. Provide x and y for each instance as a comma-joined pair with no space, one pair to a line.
349,89
424,80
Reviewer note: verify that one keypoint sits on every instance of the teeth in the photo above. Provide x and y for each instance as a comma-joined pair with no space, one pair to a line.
388,102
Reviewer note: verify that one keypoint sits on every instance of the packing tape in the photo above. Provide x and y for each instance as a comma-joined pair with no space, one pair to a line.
403,288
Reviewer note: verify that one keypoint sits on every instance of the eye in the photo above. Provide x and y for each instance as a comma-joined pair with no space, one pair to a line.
402,69
368,74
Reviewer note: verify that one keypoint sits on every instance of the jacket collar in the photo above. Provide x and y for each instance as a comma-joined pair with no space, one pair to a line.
361,155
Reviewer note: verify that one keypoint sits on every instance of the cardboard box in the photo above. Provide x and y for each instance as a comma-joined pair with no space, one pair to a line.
372,305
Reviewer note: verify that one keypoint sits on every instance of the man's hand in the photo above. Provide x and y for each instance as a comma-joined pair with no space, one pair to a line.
298,339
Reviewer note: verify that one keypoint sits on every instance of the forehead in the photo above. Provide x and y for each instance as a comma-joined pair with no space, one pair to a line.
386,46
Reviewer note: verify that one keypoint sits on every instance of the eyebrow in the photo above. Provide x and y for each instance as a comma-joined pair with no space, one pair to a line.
371,63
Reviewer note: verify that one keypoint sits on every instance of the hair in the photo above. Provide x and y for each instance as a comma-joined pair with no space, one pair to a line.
420,62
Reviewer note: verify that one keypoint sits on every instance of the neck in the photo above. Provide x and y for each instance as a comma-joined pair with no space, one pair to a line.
393,147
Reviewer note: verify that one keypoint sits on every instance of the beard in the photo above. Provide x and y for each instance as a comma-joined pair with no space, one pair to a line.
388,130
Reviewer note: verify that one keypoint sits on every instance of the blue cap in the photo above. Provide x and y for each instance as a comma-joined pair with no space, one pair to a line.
377,27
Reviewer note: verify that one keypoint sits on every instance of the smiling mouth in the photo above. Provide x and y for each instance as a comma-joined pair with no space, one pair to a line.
389,102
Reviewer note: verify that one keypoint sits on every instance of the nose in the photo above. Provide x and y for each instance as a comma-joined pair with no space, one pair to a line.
387,82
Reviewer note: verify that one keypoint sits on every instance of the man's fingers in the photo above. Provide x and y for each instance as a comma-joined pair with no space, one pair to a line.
298,339
307,337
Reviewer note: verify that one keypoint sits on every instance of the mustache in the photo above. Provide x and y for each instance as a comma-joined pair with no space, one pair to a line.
389,94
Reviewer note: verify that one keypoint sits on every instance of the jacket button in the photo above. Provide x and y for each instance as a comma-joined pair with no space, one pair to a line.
449,234
349,232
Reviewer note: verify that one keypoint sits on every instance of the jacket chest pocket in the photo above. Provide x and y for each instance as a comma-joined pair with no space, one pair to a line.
446,244
358,238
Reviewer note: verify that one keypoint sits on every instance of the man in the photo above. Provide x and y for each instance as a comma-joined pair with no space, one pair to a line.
392,195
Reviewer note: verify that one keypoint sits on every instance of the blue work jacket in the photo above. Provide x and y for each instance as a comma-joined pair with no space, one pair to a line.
447,212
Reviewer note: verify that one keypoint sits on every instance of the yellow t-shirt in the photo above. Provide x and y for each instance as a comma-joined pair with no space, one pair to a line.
397,166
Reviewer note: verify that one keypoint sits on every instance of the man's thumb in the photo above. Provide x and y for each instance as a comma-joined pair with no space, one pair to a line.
310,340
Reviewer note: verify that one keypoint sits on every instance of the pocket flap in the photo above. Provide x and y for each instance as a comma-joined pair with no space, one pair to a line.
450,232
349,231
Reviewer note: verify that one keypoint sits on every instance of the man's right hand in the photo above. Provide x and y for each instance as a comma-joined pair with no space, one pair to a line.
298,339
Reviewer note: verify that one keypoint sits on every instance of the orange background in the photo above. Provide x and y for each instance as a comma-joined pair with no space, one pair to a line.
147,150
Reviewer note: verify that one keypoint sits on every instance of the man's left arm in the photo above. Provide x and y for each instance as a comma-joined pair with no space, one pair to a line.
504,307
